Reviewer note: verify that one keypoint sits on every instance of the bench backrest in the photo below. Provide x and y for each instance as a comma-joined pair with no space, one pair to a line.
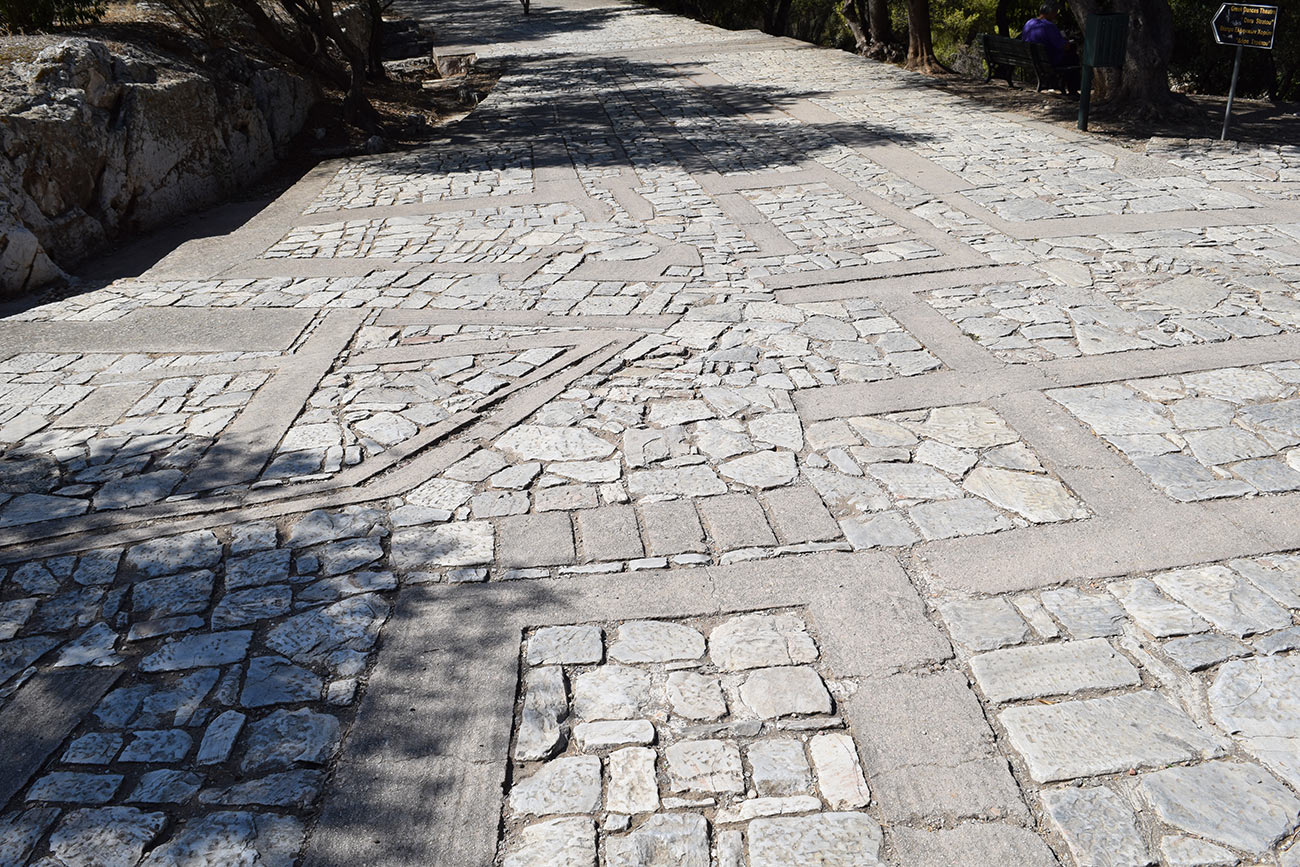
1012,52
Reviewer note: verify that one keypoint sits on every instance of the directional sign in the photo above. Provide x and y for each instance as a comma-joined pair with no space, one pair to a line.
1246,25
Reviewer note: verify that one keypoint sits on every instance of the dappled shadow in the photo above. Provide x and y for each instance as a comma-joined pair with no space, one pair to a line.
702,123
651,115
503,25
422,772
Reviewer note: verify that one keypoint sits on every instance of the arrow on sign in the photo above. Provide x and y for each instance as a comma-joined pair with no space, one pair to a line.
1245,24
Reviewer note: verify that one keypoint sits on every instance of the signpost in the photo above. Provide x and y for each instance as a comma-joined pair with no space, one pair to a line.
1245,26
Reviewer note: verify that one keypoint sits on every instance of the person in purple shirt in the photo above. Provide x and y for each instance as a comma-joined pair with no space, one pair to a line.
1060,51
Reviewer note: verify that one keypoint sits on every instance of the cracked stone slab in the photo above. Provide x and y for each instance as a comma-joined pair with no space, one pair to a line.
1235,804
679,839
1258,701
833,839
1098,826
1105,736
651,641
566,785
564,842
760,640
1051,669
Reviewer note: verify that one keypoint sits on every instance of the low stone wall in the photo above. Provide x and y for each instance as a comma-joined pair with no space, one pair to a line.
99,145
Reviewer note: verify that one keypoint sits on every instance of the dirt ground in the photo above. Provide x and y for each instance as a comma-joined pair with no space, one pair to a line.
1253,120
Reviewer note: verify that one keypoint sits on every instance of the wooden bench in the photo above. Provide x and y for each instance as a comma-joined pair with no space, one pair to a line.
1003,53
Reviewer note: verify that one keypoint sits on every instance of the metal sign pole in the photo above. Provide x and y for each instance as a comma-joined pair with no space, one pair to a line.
1232,91
1085,97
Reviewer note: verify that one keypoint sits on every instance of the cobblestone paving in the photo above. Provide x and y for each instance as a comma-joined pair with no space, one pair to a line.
1215,433
1156,713
672,723
851,474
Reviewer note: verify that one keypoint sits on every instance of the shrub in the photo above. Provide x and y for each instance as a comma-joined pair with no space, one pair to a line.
211,20
26,15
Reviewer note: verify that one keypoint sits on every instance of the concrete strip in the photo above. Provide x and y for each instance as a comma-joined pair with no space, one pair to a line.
623,187
1066,227
162,329
288,267
204,258
919,282
758,227
547,195
918,170
248,443
943,338
967,385
926,231
437,316
1106,482
1176,535
425,763
44,711
940,388
855,273
1139,363
432,350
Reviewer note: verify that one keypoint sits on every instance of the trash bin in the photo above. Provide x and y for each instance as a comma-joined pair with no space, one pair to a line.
1105,42
1105,39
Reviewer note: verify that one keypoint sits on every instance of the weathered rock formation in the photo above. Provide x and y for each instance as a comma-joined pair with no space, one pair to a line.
97,146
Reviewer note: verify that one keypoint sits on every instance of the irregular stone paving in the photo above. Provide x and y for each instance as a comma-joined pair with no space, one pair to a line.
1154,716
1038,320
245,652
718,738
426,177
1215,433
677,297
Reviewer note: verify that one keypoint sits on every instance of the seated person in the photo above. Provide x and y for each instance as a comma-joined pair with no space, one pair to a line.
1060,51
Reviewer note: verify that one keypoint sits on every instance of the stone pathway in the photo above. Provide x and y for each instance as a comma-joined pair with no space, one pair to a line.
714,451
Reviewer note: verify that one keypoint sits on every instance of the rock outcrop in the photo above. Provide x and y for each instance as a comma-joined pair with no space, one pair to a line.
98,145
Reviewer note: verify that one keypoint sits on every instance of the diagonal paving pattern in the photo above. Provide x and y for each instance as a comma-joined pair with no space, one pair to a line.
714,451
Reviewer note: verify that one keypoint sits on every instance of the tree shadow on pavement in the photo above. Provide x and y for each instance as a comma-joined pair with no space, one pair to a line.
426,761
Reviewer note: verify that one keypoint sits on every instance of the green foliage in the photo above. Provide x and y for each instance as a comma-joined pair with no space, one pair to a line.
819,22
1198,64
956,23
21,16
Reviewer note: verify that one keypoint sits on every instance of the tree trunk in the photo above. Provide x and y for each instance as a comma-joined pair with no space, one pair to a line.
356,108
1002,17
270,30
920,47
375,51
778,18
1142,88
855,17
873,33
884,44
